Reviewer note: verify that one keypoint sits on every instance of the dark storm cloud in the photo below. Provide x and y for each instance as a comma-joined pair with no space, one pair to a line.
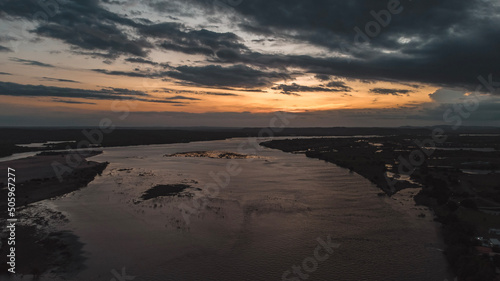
13,89
128,73
239,89
205,93
165,90
322,77
383,68
163,101
339,86
415,86
123,92
81,24
394,92
169,7
445,42
93,30
59,80
141,60
146,61
4,49
20,90
294,88
217,94
106,38
31,62
164,29
178,97
232,76
176,37
325,22
71,101
487,111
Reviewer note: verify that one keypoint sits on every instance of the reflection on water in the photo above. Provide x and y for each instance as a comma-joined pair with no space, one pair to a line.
480,149
43,144
16,156
479,172
266,220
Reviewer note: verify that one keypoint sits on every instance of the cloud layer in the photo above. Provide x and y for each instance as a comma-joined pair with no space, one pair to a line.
294,48
447,42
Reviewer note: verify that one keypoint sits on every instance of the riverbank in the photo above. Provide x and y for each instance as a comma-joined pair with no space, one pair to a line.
40,248
265,220
18,140
268,197
454,195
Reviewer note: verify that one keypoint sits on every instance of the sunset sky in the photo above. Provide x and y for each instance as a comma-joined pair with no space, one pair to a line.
237,62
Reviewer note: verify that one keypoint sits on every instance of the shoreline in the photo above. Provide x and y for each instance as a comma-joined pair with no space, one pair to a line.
126,172
80,180
372,162
41,249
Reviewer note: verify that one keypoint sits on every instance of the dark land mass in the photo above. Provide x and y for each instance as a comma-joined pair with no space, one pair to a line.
40,249
36,179
13,137
459,179
164,190
209,154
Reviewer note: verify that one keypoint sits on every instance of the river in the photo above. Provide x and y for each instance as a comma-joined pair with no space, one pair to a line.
267,219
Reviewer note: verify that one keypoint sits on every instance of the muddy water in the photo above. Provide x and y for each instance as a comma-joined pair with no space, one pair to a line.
266,220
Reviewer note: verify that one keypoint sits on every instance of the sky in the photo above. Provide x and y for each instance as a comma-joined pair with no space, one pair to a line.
238,63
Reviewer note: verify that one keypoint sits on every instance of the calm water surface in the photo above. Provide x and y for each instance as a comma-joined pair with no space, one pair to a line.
266,220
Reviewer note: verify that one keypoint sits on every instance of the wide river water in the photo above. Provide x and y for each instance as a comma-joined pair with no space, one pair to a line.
267,219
